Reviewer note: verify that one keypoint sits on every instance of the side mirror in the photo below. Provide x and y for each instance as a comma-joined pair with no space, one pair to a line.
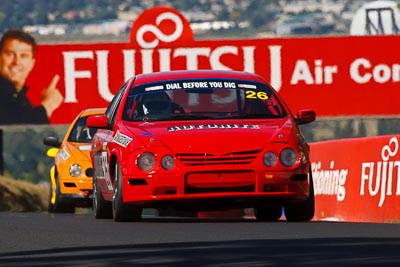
51,152
97,121
305,116
52,141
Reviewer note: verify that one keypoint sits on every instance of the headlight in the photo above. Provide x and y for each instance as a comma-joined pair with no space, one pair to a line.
288,157
75,170
167,162
269,159
146,161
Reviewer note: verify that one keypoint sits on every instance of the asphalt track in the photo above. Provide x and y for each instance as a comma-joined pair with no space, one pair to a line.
41,239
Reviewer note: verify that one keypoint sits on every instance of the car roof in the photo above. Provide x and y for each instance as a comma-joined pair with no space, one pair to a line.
195,74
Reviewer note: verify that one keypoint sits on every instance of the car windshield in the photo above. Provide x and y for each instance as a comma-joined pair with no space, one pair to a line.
81,133
202,99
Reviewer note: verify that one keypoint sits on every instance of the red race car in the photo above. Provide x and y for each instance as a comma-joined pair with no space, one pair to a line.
201,140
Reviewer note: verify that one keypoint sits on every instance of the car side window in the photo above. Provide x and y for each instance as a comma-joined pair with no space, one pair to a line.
113,106
80,132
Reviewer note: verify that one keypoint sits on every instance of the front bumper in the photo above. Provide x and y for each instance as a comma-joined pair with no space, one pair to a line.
217,189
78,190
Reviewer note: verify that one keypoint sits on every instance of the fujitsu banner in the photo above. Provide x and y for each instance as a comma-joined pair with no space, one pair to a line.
335,76
357,179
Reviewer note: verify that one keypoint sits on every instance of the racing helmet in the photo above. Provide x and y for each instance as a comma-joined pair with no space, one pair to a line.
156,103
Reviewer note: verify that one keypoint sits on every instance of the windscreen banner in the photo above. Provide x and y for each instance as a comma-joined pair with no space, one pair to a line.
335,76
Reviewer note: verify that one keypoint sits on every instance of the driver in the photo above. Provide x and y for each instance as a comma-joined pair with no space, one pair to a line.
157,103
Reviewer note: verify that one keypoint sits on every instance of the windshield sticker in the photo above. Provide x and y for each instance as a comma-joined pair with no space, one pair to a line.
198,85
154,88
212,126
84,148
122,139
248,86
195,85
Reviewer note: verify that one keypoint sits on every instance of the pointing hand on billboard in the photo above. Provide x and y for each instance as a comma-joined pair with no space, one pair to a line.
51,97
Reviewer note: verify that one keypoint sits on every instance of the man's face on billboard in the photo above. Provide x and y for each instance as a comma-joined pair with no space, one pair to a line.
16,61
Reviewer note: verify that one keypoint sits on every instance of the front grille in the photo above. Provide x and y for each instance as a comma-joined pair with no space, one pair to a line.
234,189
206,159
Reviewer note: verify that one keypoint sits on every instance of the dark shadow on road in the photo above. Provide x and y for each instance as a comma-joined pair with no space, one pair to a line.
271,252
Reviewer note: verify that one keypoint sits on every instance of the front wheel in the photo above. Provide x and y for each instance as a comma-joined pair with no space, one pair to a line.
101,208
56,203
302,211
123,212
268,214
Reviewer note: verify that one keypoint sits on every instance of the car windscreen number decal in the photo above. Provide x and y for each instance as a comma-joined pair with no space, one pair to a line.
256,95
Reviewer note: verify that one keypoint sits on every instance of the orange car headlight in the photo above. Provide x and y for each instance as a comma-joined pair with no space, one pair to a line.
75,170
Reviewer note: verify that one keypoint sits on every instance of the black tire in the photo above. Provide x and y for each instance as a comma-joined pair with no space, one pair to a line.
302,211
60,205
268,214
102,209
121,211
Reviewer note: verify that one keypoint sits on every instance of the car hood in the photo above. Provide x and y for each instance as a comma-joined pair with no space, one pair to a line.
215,137
75,151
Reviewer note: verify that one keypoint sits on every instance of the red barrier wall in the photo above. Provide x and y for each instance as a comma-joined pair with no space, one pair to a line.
357,180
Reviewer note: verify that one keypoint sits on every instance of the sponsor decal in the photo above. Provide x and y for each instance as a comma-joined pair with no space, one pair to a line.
104,145
105,170
64,154
122,139
378,178
212,126
330,181
102,170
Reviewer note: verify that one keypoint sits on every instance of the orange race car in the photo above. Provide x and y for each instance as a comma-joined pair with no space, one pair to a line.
71,174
